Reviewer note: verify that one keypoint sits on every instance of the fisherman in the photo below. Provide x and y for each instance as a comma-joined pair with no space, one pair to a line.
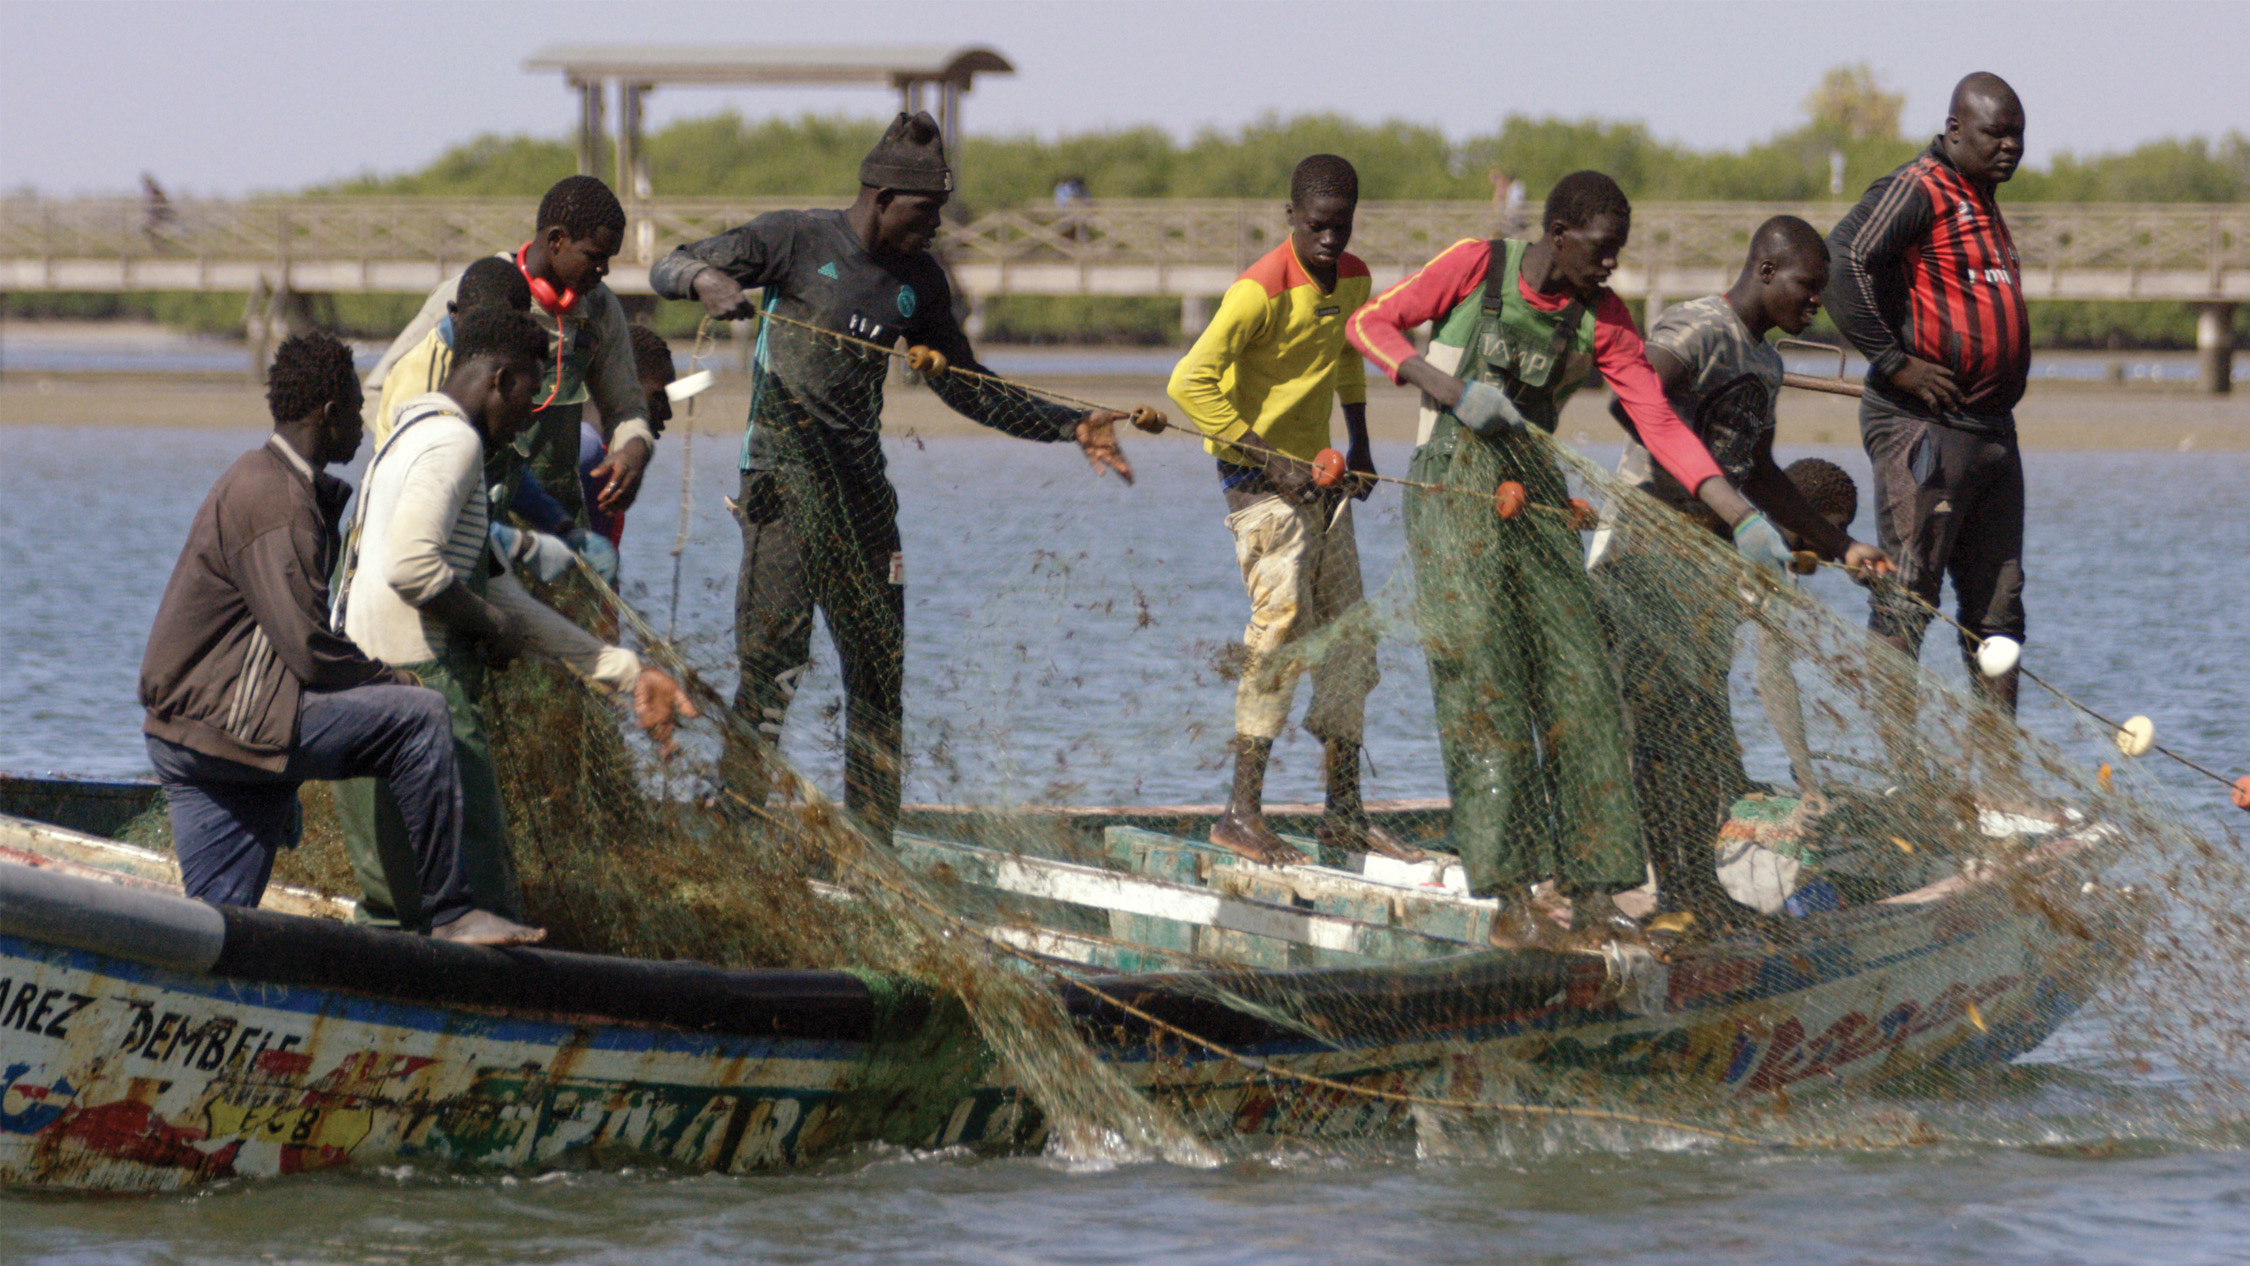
1834,496
1258,383
1929,288
546,546
422,587
1528,712
491,282
1721,378
819,516
580,227
249,695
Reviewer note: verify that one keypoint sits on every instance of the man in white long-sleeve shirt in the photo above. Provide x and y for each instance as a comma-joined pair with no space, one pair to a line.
422,588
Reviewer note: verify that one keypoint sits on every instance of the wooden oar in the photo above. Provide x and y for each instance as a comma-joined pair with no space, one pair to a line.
1814,382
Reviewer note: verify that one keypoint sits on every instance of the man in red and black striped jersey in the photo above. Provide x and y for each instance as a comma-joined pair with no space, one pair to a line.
1927,285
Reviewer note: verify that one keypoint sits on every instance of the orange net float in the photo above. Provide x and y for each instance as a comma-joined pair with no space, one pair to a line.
1508,499
2242,792
1327,468
1581,515
1804,562
926,361
1148,420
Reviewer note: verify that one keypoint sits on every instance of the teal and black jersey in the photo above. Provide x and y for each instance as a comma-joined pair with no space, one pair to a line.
815,272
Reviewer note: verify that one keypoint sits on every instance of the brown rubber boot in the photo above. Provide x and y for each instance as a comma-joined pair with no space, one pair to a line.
1242,827
1344,826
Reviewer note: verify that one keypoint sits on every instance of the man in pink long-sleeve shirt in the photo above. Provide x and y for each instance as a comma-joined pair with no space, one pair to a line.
1528,713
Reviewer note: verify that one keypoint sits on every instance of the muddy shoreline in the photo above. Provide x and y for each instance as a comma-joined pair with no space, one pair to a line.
2053,416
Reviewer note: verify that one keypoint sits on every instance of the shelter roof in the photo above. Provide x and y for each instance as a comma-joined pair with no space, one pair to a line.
866,65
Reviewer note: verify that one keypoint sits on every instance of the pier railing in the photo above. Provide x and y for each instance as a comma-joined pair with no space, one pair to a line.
1190,248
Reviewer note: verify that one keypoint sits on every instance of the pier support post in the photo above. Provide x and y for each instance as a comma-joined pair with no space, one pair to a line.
590,97
1195,313
2214,347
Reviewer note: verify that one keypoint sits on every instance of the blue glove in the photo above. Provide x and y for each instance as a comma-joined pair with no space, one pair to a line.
598,553
1487,410
1760,542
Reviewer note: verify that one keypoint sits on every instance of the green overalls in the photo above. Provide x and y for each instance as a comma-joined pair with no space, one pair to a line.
1527,708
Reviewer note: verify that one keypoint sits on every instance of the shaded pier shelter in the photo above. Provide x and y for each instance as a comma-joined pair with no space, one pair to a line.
929,77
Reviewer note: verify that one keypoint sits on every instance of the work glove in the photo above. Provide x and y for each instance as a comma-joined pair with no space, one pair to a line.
533,553
1759,542
597,551
1487,410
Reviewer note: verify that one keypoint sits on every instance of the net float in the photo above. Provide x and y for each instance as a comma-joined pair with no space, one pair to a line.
926,361
1508,499
1581,515
1327,468
1804,562
2136,736
1148,420
1997,655
2242,792
688,388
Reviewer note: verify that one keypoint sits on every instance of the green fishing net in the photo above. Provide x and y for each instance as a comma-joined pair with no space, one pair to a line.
1882,890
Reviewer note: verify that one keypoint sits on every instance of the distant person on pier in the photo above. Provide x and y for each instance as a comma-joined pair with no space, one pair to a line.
580,226
250,695
1259,384
819,516
1721,378
421,586
1529,720
156,212
1928,286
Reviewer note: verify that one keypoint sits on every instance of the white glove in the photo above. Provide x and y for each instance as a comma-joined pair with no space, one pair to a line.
1760,542
1487,410
533,553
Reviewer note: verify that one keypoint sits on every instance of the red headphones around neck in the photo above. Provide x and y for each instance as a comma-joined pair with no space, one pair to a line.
542,290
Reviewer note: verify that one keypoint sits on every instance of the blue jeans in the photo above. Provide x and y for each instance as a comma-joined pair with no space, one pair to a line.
229,819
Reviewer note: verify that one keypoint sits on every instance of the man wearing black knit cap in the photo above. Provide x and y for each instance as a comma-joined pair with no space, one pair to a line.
819,516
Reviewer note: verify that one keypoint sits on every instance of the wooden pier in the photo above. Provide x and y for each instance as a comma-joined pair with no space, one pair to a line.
1190,249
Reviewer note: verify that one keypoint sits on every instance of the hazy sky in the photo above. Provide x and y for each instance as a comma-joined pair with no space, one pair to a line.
227,98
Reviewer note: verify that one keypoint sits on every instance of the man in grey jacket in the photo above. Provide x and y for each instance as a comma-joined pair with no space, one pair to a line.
249,695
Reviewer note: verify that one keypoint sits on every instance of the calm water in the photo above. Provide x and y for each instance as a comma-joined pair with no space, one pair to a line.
1060,632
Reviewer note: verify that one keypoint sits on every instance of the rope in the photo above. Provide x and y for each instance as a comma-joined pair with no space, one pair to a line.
687,477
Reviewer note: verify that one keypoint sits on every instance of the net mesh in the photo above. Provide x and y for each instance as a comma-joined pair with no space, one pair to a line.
1891,890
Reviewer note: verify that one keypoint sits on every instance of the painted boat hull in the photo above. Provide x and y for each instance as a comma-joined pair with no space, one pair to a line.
306,1044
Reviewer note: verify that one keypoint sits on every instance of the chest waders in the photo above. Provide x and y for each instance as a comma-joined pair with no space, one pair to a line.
1527,707
819,531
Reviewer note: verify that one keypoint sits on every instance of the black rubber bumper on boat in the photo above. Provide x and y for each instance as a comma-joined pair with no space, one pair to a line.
317,953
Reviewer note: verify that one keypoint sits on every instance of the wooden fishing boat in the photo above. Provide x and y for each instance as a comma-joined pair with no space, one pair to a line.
150,1042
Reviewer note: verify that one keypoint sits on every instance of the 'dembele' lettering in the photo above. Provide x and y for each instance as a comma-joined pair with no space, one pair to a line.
21,1006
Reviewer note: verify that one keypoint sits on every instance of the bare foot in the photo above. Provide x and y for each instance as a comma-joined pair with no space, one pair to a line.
483,927
1252,838
1366,837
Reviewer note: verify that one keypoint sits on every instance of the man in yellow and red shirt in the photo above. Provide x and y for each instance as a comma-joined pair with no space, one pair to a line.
1259,383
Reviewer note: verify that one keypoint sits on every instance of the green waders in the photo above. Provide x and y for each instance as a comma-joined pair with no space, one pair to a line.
1687,765
375,833
1528,711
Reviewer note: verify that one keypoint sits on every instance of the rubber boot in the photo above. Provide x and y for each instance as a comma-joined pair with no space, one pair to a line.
1242,827
1344,824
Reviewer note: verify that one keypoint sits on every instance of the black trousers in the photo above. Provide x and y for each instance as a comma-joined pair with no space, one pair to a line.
1948,501
818,535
